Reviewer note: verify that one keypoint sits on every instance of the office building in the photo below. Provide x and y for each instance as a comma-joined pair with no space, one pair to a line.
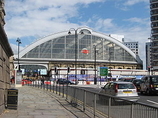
154,34
133,46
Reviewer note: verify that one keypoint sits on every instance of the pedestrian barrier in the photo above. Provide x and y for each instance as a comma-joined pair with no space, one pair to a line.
101,105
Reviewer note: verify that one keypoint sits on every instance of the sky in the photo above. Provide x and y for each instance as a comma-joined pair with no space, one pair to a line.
30,20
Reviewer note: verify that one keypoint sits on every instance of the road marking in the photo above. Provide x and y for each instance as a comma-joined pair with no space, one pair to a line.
152,101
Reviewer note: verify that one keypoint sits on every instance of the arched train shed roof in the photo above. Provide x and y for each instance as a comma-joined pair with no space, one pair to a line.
93,38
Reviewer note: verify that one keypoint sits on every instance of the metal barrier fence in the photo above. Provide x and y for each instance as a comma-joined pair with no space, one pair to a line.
99,105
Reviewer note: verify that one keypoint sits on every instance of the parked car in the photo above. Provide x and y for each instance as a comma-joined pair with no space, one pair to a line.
149,84
65,81
120,89
127,79
137,83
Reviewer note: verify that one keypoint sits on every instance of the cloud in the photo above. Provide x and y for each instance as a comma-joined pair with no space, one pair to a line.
15,48
133,2
126,4
31,17
100,24
104,23
138,20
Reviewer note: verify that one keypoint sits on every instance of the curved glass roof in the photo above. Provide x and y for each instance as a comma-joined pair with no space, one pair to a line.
61,46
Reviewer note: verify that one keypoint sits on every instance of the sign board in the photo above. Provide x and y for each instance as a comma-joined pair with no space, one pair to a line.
23,71
85,51
18,76
42,71
103,71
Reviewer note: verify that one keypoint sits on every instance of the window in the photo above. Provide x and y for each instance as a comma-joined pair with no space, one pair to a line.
126,86
107,86
154,79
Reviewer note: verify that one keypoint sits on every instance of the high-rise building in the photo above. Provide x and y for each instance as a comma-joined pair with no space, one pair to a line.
154,34
133,46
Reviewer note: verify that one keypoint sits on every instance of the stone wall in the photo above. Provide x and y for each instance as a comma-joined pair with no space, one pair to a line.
4,78
5,54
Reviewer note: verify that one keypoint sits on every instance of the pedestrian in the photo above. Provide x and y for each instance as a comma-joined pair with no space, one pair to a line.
42,81
12,80
116,78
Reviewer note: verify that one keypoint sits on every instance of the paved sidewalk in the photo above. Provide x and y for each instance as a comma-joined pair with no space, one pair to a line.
38,103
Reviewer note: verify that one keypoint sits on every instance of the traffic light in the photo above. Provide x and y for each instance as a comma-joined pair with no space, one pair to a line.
68,70
109,74
56,70
149,68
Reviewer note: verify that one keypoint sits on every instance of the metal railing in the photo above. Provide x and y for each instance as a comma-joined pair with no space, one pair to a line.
99,105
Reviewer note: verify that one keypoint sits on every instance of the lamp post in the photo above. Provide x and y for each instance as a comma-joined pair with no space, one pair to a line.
151,57
95,59
19,42
76,46
110,57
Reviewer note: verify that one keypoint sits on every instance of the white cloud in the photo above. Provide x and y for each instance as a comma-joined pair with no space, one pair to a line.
138,20
15,48
132,2
126,4
105,23
100,24
42,17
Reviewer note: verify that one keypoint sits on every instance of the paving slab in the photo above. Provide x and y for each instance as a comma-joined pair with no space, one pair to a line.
39,103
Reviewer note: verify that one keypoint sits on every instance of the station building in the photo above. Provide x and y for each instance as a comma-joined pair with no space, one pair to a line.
77,48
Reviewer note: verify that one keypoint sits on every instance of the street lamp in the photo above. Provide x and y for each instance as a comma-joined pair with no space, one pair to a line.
95,69
76,46
110,56
19,42
151,57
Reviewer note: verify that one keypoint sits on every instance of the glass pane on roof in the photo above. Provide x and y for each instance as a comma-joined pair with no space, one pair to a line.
56,46
59,40
33,53
45,50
